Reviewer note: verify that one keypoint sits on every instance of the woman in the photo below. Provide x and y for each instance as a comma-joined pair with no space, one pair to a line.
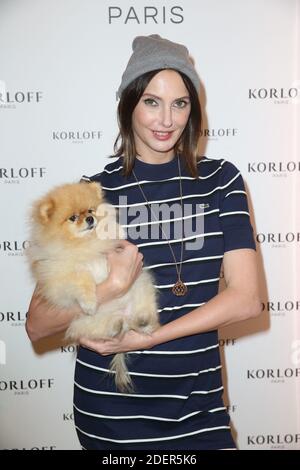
177,401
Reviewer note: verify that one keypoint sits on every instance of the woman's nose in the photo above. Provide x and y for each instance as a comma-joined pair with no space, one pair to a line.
166,117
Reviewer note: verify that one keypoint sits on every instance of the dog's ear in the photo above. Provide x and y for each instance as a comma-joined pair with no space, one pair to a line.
97,188
46,210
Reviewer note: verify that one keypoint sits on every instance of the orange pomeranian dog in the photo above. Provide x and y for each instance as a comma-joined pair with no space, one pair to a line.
72,230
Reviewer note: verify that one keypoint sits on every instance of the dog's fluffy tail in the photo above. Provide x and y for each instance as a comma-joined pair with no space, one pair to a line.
122,378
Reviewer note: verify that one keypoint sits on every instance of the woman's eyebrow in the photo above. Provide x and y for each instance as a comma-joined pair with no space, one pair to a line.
153,96
158,98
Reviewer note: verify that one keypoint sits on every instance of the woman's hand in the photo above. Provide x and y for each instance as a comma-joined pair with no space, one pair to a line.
130,341
125,264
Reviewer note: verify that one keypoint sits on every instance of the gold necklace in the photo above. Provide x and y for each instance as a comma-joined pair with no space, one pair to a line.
179,288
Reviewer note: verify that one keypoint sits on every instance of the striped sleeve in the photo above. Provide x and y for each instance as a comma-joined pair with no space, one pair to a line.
234,212
98,178
85,179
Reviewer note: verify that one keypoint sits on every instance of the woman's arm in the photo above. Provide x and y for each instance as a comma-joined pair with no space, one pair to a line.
44,319
239,301
124,264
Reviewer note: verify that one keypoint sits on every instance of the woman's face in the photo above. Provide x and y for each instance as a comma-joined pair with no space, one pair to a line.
160,117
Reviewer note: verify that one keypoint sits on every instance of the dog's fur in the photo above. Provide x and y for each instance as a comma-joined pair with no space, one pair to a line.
72,230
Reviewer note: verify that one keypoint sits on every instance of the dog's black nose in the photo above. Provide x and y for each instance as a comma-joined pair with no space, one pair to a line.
89,220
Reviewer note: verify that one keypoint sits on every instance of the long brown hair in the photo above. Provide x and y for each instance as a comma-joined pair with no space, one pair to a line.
187,144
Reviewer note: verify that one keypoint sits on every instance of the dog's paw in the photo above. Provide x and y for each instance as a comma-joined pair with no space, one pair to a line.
116,326
89,308
145,329
144,324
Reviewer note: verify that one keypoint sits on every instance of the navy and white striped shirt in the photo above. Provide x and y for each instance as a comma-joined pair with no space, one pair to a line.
177,402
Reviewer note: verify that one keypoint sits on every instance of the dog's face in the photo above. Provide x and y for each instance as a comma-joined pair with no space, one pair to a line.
69,211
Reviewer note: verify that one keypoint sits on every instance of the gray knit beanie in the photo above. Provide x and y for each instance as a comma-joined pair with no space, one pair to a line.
154,52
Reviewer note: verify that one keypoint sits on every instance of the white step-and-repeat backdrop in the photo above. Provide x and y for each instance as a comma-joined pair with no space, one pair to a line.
60,65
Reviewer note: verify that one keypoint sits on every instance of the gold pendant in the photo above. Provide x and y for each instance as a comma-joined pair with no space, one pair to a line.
179,288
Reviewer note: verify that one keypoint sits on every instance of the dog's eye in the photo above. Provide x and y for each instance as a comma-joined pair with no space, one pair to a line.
73,218
90,211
